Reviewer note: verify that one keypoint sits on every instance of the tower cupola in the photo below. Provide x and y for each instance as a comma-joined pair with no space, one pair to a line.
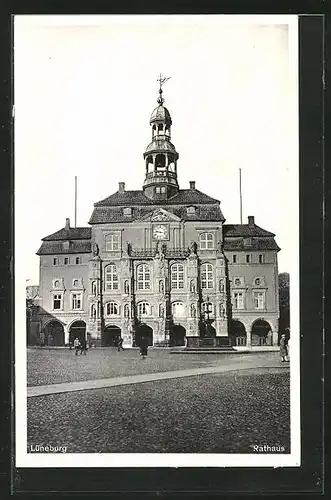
161,155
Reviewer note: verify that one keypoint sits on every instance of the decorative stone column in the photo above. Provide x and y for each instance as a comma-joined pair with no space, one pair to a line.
193,334
221,323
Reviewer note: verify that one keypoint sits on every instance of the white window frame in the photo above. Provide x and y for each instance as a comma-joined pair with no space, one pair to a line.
60,299
207,270
143,277
238,301
190,210
179,306
112,282
112,308
241,281
112,242
261,258
259,300
206,240
143,309
79,298
177,276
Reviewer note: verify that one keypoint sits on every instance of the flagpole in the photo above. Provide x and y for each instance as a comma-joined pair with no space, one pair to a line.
241,201
75,200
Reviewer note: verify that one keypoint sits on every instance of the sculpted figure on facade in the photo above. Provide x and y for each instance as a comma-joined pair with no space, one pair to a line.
192,248
96,250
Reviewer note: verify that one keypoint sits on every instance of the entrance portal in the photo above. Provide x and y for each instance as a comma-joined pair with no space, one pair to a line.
144,331
238,333
77,330
111,335
54,333
261,333
177,335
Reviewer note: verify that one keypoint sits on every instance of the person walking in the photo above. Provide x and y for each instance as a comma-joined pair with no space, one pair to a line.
83,347
283,348
143,347
76,345
120,344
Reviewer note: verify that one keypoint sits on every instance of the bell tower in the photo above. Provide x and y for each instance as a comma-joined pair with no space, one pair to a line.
161,155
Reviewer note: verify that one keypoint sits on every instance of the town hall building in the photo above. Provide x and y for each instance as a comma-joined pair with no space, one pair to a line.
159,262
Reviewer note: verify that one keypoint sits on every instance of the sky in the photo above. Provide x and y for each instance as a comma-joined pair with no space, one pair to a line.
84,89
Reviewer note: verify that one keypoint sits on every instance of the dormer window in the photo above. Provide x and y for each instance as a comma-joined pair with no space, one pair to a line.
127,211
160,190
190,210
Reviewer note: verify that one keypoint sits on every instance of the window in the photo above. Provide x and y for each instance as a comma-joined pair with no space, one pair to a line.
111,277
177,276
111,309
143,277
259,300
178,310
234,259
127,211
55,261
207,276
257,281
112,242
93,312
57,301
144,309
66,260
206,241
190,210
160,190
78,260
261,259
56,284
75,283
238,300
248,259
76,301
94,287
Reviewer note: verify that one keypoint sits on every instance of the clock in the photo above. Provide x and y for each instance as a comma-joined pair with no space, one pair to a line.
160,232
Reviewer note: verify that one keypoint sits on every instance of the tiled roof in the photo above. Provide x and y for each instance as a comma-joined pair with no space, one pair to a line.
235,230
57,247
131,198
257,243
73,233
115,214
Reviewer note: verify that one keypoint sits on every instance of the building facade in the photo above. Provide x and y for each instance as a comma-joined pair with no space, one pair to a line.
160,262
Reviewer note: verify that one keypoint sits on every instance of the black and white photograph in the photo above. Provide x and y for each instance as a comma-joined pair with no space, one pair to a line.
157,241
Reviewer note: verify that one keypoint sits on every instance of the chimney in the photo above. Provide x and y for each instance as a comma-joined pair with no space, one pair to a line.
251,221
67,223
192,184
121,187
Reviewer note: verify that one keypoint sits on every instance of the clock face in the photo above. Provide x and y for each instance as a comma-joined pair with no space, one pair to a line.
160,232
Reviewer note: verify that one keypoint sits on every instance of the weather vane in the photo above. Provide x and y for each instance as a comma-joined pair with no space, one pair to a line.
162,80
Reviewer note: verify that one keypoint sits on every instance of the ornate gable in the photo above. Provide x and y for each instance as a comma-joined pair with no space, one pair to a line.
161,215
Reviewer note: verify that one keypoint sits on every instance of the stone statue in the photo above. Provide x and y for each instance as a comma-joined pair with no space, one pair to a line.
193,311
161,286
192,247
96,250
128,248
192,286
220,246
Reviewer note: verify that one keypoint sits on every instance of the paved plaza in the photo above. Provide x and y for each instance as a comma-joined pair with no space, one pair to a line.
112,402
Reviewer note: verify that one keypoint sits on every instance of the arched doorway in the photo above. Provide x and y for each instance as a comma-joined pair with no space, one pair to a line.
111,335
261,333
177,335
54,333
144,331
238,333
77,330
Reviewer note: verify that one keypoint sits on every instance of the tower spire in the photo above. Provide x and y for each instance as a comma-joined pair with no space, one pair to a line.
161,80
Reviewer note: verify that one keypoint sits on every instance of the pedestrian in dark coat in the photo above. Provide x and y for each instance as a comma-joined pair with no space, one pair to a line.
143,347
83,347
120,344
283,348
